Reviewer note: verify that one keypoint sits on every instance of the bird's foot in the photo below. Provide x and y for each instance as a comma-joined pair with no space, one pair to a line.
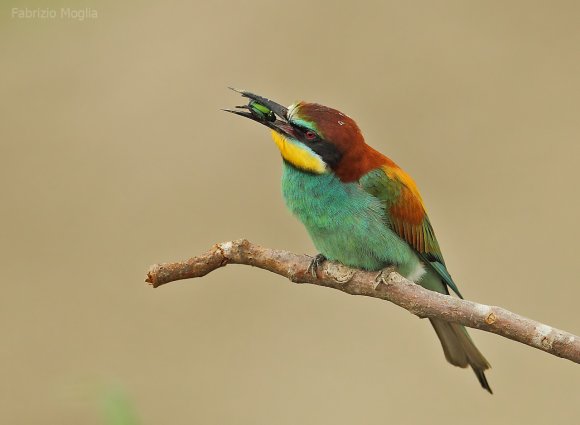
383,275
315,264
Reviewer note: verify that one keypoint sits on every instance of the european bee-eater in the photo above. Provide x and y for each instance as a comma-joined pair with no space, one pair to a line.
359,207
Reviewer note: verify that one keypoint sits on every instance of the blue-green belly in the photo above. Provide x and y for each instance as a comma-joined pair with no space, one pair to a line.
345,223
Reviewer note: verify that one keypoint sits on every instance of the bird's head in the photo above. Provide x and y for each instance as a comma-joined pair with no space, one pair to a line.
311,137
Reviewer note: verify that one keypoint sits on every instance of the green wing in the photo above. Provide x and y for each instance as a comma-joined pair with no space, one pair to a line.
407,216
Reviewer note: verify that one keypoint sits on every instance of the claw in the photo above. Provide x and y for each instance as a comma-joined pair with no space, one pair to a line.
315,264
383,275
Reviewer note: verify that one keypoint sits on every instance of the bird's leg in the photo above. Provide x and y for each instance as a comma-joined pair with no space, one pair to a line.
315,264
382,276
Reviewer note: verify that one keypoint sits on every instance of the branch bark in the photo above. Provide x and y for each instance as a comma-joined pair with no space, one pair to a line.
395,288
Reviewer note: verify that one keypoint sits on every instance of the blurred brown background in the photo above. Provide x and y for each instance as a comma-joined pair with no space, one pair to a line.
115,156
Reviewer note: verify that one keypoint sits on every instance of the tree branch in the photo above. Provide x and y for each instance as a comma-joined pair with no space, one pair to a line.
396,289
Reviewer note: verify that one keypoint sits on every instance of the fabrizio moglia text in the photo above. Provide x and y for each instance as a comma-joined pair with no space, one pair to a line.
62,13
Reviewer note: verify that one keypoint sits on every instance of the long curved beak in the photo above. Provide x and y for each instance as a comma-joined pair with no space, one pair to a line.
280,121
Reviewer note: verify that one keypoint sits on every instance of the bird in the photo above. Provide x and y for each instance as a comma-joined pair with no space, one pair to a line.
359,207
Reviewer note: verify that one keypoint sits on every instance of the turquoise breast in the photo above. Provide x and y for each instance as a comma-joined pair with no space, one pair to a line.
345,223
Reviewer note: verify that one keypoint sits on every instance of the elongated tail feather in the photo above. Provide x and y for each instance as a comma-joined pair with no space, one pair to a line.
460,350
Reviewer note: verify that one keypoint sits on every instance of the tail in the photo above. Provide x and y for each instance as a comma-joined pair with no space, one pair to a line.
460,350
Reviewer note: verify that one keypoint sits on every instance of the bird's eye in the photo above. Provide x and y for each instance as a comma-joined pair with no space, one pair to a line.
310,135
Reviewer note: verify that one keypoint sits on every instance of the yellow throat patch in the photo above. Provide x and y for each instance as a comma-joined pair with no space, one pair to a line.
299,156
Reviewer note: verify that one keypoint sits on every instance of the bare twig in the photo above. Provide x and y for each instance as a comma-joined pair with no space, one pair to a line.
396,289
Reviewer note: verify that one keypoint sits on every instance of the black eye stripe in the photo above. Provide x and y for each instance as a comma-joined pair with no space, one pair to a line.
304,131
327,150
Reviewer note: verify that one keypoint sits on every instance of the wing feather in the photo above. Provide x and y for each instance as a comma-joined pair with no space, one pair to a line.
407,215
408,218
